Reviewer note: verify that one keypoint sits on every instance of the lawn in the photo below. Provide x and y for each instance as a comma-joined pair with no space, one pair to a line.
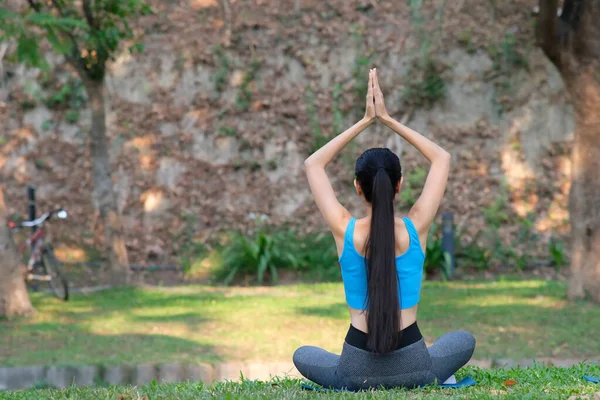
530,383
510,319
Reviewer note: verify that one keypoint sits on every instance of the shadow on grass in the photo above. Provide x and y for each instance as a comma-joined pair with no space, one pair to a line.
335,311
60,344
190,318
114,327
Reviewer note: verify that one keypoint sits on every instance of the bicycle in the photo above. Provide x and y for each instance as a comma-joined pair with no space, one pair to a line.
43,264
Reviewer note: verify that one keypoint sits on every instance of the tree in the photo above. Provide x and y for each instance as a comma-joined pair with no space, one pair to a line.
88,34
14,299
572,43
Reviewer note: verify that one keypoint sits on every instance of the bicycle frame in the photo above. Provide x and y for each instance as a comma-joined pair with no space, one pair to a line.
36,243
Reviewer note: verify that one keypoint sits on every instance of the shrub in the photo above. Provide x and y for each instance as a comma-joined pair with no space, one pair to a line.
258,254
313,255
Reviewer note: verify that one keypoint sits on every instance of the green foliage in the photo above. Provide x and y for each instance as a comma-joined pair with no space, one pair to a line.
337,123
360,68
89,37
72,116
556,249
424,84
507,58
506,55
258,254
47,125
27,104
412,183
360,74
472,255
71,94
465,39
226,131
220,77
434,253
313,116
244,96
312,255
496,214
272,165
318,257
321,138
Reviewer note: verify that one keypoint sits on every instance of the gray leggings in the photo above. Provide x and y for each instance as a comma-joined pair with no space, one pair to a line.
411,366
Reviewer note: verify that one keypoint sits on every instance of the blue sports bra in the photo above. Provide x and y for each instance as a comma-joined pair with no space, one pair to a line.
409,266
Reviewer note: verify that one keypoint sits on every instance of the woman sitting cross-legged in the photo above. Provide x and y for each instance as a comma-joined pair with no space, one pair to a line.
382,267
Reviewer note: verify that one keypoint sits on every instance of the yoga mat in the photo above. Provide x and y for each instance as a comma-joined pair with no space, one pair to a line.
591,379
465,382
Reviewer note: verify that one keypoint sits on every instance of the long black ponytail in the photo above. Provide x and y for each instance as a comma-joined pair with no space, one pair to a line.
378,172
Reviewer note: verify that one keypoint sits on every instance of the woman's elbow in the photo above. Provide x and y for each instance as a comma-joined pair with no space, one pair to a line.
309,162
445,156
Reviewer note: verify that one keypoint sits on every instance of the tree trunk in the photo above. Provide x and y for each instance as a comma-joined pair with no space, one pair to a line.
572,43
104,194
14,299
584,198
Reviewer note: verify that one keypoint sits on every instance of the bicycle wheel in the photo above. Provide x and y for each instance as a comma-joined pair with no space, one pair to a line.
58,282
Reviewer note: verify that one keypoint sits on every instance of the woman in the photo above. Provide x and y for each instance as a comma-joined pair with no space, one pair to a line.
382,267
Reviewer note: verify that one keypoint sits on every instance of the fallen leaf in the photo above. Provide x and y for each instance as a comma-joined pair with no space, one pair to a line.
510,382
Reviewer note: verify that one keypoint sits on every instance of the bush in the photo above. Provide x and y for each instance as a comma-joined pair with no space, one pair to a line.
319,258
258,254
313,255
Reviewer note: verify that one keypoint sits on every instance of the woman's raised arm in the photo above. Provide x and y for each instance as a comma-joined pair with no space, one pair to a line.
334,213
424,210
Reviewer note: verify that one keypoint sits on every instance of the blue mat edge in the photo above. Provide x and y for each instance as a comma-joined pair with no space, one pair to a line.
465,382
591,379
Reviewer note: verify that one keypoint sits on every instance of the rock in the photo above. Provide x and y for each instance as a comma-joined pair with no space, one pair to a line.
230,371
21,377
284,369
170,373
481,363
155,206
169,172
201,373
259,371
282,162
509,363
85,375
60,377
20,167
290,201
168,129
293,76
144,373
127,80
216,151
118,374
168,71
70,133
38,118
122,188
193,81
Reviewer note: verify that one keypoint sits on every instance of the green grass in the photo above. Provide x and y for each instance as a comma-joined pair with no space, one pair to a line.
511,318
531,383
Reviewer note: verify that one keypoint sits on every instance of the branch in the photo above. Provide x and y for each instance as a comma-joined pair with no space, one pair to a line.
87,10
546,29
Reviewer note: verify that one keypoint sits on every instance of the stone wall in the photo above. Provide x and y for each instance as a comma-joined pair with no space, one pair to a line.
188,162
15,378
